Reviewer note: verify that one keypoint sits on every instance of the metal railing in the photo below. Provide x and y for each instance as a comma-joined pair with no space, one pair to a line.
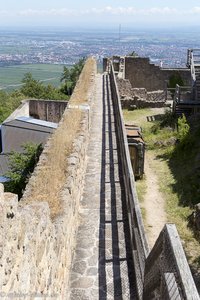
140,249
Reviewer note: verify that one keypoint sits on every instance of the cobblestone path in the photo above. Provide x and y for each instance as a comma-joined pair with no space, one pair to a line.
102,266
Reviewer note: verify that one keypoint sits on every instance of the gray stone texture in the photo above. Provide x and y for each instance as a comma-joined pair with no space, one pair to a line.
101,264
143,74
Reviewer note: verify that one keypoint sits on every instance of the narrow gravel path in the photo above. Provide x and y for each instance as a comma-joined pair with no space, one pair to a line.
154,203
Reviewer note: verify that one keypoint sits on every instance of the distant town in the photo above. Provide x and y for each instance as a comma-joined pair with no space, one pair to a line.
66,47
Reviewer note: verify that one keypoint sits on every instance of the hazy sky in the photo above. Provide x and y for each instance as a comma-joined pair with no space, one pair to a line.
64,12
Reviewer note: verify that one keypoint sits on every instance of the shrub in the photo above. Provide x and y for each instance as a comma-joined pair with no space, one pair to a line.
21,166
183,129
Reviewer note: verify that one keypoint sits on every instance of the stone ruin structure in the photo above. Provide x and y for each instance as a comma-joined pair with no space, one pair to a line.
142,84
139,97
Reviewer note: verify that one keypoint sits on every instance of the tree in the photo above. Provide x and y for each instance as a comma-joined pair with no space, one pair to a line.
174,80
35,89
8,103
31,87
71,76
21,167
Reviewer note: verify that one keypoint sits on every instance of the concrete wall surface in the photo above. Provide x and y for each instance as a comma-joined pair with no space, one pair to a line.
47,110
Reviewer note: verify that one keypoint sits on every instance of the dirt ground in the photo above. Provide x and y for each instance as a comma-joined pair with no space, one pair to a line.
152,200
154,203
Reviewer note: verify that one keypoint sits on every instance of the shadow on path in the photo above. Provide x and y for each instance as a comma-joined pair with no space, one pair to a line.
116,271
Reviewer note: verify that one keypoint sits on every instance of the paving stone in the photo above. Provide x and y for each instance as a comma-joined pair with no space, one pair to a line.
101,263
79,267
83,283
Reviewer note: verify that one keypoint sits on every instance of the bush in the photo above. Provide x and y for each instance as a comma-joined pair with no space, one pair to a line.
183,129
8,103
21,167
33,88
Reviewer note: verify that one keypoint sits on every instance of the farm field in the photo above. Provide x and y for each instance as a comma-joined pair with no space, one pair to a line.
11,76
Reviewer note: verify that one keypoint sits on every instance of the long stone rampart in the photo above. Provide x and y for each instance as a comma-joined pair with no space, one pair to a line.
35,249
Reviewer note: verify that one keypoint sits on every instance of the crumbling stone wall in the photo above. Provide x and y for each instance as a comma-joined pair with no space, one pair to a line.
35,250
138,97
143,74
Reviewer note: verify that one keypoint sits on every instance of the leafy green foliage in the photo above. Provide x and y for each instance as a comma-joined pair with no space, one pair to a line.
174,80
21,166
8,103
168,119
183,129
70,77
33,88
180,149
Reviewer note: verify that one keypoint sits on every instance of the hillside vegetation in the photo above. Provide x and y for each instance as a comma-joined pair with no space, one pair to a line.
175,150
8,103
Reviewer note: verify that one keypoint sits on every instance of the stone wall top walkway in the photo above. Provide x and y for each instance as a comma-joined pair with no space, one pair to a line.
102,266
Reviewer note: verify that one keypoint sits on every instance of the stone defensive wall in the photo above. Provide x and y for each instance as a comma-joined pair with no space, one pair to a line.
38,233
143,74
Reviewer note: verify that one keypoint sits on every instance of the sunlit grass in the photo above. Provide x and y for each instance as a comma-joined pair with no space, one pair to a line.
160,143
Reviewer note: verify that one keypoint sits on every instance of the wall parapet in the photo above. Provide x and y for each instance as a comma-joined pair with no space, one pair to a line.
37,243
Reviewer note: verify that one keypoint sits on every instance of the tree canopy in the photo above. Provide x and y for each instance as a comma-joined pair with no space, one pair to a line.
8,103
36,89
70,76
